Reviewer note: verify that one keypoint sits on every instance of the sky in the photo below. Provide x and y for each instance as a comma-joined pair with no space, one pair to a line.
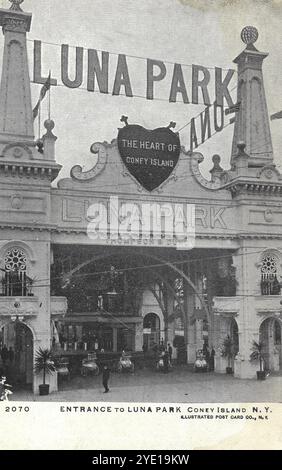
184,31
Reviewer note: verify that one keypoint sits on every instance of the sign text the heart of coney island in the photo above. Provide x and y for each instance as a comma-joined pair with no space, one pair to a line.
149,155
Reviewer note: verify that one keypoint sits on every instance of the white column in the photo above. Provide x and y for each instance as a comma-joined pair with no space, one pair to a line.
139,336
248,321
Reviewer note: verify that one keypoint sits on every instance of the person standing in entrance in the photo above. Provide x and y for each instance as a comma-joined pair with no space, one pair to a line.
169,348
212,359
106,376
11,355
166,361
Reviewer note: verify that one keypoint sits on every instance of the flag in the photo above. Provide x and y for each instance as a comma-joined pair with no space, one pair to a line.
233,109
276,116
42,95
36,109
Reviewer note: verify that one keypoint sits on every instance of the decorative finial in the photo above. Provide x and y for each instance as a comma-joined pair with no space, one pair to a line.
40,145
49,125
124,119
16,5
249,35
241,150
216,164
216,160
241,146
171,125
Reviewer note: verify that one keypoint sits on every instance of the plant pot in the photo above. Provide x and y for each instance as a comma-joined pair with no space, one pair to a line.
261,375
229,370
44,389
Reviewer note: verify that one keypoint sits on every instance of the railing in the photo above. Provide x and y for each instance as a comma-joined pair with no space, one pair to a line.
15,284
269,284
96,303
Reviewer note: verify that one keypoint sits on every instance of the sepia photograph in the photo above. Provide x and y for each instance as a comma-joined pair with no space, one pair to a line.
141,205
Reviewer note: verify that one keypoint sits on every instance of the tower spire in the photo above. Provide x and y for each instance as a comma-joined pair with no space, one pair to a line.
252,122
19,151
16,121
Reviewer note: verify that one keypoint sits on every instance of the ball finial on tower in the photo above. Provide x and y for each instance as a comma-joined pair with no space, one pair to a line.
249,35
49,125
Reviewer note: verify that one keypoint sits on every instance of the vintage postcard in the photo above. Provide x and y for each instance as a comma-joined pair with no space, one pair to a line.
140,224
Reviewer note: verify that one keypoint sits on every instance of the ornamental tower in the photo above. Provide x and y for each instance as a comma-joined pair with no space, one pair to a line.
18,148
252,122
26,172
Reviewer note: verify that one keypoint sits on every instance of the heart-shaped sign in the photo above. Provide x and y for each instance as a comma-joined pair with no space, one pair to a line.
149,155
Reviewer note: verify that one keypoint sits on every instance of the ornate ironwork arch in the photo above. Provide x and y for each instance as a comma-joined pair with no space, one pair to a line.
150,256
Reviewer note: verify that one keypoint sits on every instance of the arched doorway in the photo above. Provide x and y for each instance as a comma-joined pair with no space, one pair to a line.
151,331
270,336
18,365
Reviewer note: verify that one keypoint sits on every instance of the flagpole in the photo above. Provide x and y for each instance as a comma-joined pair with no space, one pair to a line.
49,105
49,99
39,120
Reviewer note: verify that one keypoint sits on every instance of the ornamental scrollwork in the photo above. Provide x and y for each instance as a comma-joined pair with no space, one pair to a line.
15,24
78,174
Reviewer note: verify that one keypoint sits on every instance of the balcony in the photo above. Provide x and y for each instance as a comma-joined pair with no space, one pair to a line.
17,307
269,284
228,306
99,305
16,284
268,305
25,307
59,306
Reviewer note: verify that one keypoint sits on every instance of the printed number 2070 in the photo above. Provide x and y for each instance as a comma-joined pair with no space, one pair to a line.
14,409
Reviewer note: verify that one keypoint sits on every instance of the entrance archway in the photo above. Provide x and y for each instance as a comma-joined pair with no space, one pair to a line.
151,330
270,336
18,364
143,254
127,260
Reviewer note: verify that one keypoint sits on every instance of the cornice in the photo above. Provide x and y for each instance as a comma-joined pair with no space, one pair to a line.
52,229
250,187
33,170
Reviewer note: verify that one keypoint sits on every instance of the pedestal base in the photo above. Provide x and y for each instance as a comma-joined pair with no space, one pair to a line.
220,364
191,353
52,380
274,362
245,369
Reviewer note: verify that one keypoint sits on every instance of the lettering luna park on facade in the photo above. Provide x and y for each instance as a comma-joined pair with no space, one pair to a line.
98,70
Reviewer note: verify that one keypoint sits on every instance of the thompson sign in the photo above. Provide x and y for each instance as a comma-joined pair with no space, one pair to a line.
149,155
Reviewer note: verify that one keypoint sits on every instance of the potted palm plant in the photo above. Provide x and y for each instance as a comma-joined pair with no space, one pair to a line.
228,352
44,363
258,355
